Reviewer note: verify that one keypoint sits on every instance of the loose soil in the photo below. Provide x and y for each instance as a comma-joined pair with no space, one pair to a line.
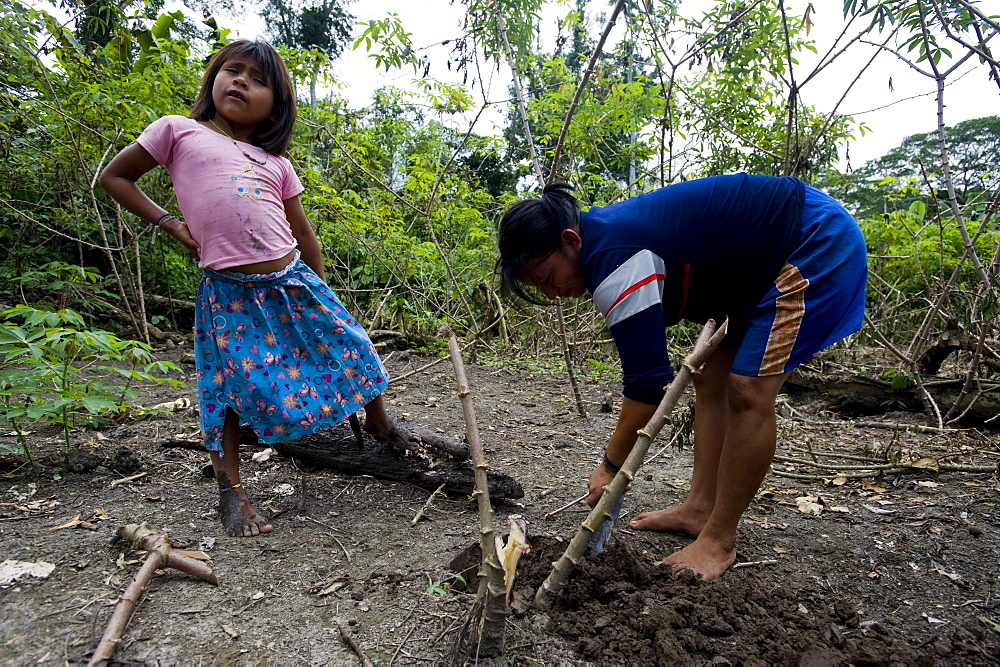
874,571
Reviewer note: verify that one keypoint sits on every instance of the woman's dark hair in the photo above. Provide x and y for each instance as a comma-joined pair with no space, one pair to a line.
530,231
271,136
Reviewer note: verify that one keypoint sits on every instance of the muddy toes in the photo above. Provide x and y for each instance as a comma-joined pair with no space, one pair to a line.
395,435
239,517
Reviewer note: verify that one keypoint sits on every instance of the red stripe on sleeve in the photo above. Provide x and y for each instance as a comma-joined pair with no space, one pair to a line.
634,287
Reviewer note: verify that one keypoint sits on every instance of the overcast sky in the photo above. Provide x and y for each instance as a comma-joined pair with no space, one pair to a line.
908,107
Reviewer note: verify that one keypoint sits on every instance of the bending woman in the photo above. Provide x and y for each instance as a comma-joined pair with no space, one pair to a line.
782,260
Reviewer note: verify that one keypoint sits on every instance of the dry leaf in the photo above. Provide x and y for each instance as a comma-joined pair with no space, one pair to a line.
181,403
839,508
231,631
926,463
122,563
928,484
871,486
15,569
264,455
839,480
72,523
197,555
808,505
995,627
510,553
779,550
100,514
328,586
878,510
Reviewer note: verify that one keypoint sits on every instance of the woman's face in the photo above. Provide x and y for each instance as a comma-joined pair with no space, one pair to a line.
560,274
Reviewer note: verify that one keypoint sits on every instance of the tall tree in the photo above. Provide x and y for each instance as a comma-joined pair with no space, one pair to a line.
324,27
974,147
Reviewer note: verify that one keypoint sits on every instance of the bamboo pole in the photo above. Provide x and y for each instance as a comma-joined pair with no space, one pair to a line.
703,348
160,555
492,594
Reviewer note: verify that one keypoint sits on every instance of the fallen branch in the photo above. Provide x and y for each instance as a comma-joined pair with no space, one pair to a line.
126,480
708,340
423,368
160,554
566,506
755,563
895,466
419,515
353,645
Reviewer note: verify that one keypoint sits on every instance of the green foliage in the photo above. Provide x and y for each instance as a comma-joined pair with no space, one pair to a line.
442,587
912,253
974,158
58,371
394,41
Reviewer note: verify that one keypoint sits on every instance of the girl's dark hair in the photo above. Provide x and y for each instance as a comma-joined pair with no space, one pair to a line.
530,231
271,136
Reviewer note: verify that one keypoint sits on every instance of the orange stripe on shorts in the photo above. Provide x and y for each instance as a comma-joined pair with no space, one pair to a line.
789,310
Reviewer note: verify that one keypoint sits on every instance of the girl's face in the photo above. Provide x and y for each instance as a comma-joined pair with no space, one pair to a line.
242,93
560,273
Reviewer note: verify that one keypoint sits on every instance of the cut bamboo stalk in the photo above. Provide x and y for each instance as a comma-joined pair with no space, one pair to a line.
491,596
160,554
703,348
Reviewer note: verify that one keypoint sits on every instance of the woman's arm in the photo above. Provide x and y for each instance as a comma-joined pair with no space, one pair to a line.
304,236
119,180
634,416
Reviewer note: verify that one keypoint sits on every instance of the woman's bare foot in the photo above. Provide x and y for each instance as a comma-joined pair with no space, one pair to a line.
706,558
238,516
680,519
393,433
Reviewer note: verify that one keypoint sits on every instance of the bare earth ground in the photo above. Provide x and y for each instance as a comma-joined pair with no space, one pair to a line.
900,570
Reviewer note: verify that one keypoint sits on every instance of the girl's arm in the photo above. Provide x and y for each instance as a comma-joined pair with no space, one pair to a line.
304,235
119,180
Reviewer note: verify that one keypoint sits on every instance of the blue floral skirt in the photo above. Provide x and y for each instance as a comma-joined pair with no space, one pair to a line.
282,352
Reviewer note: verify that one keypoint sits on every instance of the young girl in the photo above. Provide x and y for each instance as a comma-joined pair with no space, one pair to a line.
275,349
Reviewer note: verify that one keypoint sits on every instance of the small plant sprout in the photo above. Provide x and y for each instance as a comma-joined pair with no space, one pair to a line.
61,372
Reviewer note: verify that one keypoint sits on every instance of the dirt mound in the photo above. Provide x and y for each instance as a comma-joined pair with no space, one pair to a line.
620,608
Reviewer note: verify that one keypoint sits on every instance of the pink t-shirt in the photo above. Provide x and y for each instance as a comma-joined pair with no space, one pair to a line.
233,207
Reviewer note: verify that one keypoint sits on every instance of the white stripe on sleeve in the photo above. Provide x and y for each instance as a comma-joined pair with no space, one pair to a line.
631,288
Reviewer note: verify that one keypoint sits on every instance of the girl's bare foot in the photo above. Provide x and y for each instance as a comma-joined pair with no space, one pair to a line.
680,519
238,516
706,558
393,433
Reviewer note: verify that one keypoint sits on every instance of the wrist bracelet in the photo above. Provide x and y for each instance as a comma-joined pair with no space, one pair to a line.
611,467
163,218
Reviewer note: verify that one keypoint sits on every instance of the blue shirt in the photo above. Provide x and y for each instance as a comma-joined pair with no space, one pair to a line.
706,248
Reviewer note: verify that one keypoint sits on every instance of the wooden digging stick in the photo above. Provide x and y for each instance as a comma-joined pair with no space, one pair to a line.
160,555
703,348
492,589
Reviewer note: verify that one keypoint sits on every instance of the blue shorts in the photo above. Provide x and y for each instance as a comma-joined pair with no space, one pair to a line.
818,297
282,352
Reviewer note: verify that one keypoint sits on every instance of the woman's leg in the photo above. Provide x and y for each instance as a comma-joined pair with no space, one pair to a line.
379,423
744,461
238,516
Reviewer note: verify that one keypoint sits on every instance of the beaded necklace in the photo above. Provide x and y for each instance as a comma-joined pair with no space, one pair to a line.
247,155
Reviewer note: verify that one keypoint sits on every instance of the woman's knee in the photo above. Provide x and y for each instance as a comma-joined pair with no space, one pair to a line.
748,394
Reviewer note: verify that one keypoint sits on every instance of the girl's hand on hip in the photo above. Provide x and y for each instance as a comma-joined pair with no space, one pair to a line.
179,230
